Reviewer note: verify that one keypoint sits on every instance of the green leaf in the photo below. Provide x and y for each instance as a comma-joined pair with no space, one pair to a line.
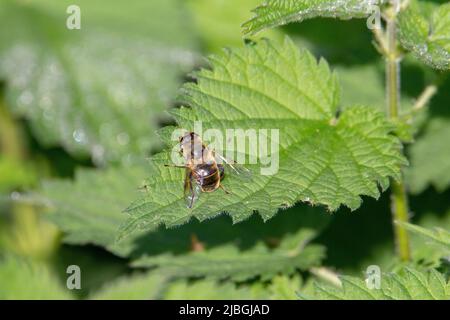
252,248
371,93
228,262
424,250
95,219
207,289
218,21
272,13
437,235
284,288
354,92
135,287
426,35
99,91
280,288
322,159
26,280
410,284
430,156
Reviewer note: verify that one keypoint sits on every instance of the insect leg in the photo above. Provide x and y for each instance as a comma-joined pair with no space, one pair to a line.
174,166
192,189
225,190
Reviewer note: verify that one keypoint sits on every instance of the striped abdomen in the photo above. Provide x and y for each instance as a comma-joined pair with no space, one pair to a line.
208,176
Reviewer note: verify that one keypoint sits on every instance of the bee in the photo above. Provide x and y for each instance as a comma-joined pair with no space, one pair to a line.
202,172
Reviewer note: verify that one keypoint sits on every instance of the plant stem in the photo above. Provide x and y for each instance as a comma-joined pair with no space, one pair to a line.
399,200
392,69
10,135
399,208
27,233
425,97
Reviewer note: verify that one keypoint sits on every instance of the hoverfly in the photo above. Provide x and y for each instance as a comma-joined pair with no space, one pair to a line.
202,172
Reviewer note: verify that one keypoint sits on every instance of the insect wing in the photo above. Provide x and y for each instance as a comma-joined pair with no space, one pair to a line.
235,168
192,189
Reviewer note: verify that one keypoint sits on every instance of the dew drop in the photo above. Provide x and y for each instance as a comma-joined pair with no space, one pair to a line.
25,98
79,136
45,102
98,155
123,138
15,196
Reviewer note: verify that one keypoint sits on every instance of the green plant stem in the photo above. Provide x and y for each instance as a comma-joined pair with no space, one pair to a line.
399,199
399,207
425,97
10,136
27,234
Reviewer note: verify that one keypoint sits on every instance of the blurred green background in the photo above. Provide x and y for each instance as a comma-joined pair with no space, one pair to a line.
78,115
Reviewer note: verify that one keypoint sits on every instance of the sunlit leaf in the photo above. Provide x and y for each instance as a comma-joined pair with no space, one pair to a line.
426,35
410,284
272,13
219,21
282,241
135,287
207,289
323,159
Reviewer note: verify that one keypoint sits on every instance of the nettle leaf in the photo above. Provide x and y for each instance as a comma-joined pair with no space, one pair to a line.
426,35
95,220
437,235
135,287
280,288
410,284
371,93
24,279
428,239
272,13
322,159
252,248
284,288
430,158
219,21
99,91
208,289
228,262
